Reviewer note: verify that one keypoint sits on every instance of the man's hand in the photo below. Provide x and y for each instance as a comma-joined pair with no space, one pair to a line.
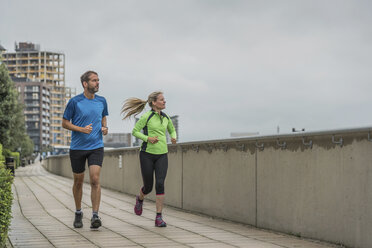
87,129
153,140
104,130
174,141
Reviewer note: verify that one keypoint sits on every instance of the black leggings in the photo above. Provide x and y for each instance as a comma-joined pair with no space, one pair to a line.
149,164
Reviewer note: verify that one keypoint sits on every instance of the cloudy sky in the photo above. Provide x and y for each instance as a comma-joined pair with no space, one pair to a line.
224,66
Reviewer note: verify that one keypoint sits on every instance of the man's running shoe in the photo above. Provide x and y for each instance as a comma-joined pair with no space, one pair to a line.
78,222
138,206
95,222
159,222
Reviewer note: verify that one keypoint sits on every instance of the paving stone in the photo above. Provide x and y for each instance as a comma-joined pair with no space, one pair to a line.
43,214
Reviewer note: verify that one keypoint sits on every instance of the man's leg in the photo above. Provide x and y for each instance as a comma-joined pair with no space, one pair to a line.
77,189
77,158
94,172
95,159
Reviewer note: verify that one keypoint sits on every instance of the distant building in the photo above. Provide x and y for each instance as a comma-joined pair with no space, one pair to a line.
47,70
117,140
69,93
35,96
138,142
2,49
175,124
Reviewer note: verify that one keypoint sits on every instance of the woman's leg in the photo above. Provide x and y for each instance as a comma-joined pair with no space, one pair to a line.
147,171
161,168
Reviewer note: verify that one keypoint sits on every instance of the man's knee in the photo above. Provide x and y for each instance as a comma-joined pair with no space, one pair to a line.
78,180
94,180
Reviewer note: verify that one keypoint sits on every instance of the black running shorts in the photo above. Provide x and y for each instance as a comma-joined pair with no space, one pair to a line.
79,157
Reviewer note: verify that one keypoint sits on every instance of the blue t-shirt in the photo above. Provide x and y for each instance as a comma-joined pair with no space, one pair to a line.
82,111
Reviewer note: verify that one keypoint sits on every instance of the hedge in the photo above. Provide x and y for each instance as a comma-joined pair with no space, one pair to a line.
6,198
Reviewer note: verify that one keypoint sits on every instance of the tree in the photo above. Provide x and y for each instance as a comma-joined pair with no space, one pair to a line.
8,106
12,122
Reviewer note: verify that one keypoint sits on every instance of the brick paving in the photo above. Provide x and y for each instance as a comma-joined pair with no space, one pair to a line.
43,213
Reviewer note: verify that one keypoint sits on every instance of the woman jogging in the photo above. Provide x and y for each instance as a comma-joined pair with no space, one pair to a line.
153,154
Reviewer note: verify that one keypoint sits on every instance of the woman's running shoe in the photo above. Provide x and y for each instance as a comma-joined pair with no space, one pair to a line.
159,222
138,206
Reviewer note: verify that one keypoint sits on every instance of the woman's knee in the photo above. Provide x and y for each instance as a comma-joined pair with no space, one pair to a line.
147,189
159,187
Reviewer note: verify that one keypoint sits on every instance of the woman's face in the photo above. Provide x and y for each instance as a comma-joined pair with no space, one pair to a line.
160,102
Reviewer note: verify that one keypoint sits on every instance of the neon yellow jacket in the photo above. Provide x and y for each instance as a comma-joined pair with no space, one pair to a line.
153,125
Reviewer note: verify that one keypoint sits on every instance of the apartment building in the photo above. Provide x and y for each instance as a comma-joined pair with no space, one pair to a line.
29,64
2,50
69,93
36,99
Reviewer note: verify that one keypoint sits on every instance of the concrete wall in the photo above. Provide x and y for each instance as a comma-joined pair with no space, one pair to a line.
322,192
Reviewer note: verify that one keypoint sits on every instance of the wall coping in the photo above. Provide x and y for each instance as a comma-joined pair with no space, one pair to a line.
302,134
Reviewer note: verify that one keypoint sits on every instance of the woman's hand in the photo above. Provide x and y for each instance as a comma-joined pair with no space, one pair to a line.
174,141
153,140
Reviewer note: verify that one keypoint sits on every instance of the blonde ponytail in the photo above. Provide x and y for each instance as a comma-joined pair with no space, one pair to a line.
134,106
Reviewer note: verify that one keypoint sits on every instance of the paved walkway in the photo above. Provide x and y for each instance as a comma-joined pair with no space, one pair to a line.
43,212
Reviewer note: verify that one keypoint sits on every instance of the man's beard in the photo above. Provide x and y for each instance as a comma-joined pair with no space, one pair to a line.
92,90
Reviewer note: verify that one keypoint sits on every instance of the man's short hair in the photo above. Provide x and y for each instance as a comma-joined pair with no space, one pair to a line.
86,75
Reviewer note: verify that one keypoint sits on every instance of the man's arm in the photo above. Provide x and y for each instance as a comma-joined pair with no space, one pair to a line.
104,126
68,125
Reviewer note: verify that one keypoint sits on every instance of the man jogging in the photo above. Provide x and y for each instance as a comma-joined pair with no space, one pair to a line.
85,115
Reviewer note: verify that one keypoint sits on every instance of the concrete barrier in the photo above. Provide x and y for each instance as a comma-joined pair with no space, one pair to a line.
321,190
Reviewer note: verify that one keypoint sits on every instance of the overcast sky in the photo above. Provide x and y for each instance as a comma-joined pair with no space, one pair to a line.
224,66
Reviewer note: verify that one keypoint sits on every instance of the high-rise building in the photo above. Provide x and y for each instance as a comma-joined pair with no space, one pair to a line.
2,50
30,64
35,96
174,119
69,93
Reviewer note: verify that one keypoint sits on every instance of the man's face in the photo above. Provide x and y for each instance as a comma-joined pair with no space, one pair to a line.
93,83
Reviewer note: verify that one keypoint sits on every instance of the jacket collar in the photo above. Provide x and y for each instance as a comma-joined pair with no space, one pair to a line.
161,113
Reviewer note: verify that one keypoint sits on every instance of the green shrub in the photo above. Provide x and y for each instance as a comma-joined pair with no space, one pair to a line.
6,198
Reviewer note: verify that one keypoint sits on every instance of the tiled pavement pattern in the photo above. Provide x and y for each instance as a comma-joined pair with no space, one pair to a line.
43,212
